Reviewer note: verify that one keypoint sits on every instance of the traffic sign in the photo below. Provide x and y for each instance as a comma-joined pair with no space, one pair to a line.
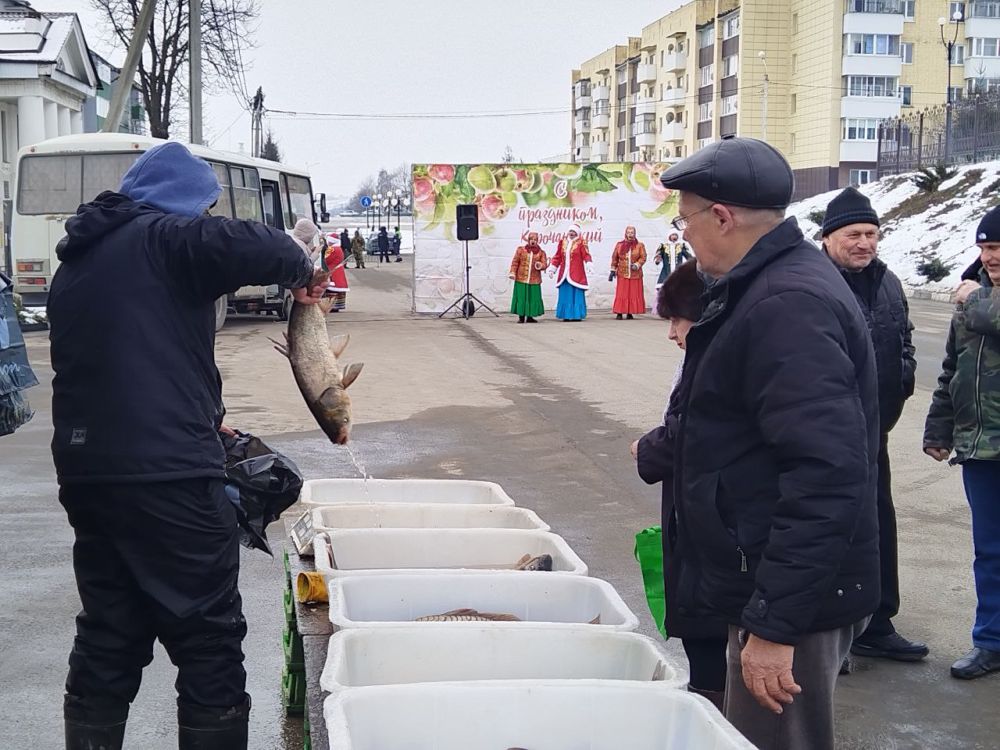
366,201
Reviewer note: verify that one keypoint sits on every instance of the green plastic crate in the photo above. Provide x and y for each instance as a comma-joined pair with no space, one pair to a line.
293,692
289,607
295,659
306,734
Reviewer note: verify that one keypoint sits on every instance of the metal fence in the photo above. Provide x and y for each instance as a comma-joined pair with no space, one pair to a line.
969,133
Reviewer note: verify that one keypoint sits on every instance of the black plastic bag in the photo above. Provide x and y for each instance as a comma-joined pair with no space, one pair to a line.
261,483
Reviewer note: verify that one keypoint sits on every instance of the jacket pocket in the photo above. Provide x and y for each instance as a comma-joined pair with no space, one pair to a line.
716,543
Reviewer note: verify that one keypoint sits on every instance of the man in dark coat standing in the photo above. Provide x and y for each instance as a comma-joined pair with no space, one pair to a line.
383,245
137,408
850,238
776,458
345,243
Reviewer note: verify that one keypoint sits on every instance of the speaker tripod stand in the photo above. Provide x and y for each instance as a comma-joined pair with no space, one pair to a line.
468,309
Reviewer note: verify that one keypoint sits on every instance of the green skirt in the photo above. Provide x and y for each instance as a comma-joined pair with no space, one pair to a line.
527,300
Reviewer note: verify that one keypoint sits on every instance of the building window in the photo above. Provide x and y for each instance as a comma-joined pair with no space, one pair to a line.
956,93
984,85
872,44
731,26
906,52
860,177
793,103
705,75
706,36
958,54
729,105
871,86
954,8
984,47
909,9
907,96
791,142
795,23
730,65
985,9
702,142
4,152
705,112
860,130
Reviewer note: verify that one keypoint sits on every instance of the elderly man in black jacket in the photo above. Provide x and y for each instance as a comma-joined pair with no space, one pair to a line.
137,408
850,238
776,461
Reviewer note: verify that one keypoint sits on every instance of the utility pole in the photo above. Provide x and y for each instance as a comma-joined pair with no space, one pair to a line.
763,104
127,76
194,32
257,124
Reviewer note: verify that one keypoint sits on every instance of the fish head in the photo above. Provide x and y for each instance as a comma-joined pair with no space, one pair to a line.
333,413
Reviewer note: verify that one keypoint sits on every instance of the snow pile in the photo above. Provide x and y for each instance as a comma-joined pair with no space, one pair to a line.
917,226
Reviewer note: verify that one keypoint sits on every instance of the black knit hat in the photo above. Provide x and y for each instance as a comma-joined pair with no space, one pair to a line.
989,226
850,207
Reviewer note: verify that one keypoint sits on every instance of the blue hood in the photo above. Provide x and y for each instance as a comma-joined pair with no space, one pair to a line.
172,179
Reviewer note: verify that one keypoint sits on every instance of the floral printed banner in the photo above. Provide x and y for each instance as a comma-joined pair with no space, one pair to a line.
514,199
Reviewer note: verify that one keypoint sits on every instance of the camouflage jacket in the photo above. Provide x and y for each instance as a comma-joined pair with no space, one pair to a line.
965,409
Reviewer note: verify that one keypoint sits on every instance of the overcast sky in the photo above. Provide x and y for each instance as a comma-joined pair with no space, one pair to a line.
402,56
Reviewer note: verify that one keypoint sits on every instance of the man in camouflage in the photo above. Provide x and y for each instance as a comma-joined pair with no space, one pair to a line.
965,418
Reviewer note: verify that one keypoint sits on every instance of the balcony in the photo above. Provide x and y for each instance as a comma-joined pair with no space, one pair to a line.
646,73
646,139
873,65
982,67
878,107
601,93
580,102
982,26
873,23
645,105
673,131
582,140
675,61
582,125
674,97
601,121
599,150
582,154
859,151
885,7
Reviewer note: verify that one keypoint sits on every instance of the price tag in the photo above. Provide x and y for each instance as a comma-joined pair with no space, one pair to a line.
302,533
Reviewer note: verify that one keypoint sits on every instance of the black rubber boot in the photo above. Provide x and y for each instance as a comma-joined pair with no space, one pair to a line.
520,318
210,728
95,724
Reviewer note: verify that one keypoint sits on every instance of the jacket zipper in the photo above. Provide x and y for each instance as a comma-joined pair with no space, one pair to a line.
743,560
979,406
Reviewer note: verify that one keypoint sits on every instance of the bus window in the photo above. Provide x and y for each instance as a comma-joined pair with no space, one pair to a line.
299,199
49,185
272,204
224,206
246,192
104,172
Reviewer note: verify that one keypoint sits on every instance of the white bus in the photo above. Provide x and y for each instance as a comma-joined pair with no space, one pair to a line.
56,176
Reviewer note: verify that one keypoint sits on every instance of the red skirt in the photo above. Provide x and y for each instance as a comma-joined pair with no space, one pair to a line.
629,296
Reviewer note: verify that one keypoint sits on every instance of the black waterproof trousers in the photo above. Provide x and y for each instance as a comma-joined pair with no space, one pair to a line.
156,561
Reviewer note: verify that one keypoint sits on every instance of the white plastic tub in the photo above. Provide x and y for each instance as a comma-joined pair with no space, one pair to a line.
352,491
366,551
425,516
538,715
429,653
551,600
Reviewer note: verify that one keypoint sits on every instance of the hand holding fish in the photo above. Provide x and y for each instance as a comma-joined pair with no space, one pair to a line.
312,292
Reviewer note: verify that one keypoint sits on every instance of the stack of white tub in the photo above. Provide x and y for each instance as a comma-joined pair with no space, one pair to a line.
569,673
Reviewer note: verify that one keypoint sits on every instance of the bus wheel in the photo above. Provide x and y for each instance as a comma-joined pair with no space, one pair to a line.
221,308
286,306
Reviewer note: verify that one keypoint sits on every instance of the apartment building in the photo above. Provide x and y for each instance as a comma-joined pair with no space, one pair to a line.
812,78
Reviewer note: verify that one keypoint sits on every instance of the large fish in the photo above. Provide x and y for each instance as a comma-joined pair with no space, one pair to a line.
316,367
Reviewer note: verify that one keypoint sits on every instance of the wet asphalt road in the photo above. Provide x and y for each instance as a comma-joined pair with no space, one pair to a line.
547,411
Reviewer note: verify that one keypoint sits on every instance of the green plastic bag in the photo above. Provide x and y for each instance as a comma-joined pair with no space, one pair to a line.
649,554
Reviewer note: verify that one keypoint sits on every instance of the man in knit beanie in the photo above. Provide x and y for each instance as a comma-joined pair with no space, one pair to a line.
850,239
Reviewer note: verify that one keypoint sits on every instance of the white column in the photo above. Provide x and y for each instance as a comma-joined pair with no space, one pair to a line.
76,121
51,119
30,120
64,122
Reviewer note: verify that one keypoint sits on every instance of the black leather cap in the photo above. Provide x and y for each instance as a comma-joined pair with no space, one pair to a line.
735,171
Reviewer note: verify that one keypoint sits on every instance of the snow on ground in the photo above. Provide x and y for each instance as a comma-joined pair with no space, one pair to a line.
943,223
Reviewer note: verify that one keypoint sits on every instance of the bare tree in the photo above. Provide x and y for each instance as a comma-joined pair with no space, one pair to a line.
227,30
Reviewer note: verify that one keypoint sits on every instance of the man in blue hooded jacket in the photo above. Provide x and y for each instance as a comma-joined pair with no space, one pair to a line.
136,407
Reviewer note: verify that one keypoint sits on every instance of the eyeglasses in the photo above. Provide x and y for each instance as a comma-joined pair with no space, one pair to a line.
680,223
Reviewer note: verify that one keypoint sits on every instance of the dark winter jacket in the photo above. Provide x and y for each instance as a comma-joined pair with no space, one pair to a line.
776,456
965,408
655,463
880,295
383,241
136,395
345,242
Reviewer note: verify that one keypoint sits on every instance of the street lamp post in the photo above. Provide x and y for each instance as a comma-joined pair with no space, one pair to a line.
378,209
949,46
763,104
